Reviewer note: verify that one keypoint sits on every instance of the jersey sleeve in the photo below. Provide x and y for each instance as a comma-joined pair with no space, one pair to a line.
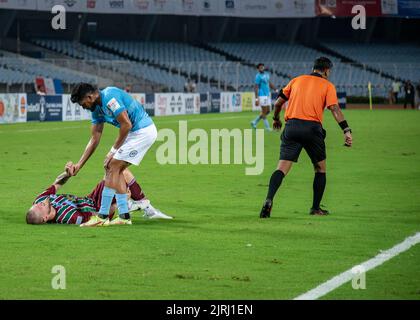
331,98
45,194
116,106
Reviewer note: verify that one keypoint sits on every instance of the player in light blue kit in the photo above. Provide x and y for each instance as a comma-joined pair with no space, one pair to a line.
136,135
263,96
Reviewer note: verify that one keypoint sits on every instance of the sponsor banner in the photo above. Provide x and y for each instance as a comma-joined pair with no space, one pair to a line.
69,5
238,8
342,99
149,104
44,108
209,8
231,102
117,6
236,102
164,6
248,101
95,6
409,8
161,104
274,8
169,104
23,107
342,8
390,7
204,103
73,111
18,4
192,103
224,102
12,108
147,101
215,102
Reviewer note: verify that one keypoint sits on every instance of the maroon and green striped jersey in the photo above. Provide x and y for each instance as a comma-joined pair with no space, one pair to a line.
70,209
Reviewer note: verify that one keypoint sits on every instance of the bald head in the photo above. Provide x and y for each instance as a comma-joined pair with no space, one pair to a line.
33,216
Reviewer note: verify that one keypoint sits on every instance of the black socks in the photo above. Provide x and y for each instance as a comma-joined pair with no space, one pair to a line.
125,216
320,181
275,182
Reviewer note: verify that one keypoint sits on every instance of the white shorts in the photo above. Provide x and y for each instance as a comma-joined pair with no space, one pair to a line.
264,101
136,145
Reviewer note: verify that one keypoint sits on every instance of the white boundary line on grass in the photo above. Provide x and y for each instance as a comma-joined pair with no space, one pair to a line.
346,276
163,122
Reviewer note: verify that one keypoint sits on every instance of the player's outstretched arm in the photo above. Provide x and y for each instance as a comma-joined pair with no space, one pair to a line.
339,117
96,132
61,180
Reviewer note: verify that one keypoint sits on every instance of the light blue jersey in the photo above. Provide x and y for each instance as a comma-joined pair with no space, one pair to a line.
262,80
115,101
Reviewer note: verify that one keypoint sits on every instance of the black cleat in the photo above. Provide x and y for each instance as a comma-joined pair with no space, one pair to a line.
318,212
266,209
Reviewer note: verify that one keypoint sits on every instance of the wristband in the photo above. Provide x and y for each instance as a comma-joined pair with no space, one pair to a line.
113,150
343,125
347,130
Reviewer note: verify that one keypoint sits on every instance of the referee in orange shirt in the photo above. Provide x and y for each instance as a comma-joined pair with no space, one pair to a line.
308,96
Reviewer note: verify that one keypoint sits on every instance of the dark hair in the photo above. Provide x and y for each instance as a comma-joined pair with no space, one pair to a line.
322,64
259,65
80,91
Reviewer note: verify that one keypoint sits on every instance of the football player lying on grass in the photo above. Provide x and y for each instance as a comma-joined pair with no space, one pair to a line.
50,207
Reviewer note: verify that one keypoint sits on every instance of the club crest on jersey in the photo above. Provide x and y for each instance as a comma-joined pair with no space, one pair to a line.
113,105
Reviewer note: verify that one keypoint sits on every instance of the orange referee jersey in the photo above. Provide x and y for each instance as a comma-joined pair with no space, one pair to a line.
308,96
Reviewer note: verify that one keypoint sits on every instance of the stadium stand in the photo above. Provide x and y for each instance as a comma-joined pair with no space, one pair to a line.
215,66
24,70
293,60
398,61
196,62
117,63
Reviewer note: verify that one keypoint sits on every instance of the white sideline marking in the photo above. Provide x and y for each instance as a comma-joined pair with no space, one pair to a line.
346,276
163,122
41,129
207,119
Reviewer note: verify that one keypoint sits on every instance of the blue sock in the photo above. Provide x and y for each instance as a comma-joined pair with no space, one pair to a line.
257,119
267,125
122,205
107,196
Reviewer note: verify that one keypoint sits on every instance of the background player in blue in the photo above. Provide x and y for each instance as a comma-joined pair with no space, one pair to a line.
136,135
263,95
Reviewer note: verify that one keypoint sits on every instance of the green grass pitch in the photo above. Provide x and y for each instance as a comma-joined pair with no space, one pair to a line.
217,247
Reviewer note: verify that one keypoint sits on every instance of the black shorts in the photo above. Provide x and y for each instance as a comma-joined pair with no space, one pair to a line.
299,134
